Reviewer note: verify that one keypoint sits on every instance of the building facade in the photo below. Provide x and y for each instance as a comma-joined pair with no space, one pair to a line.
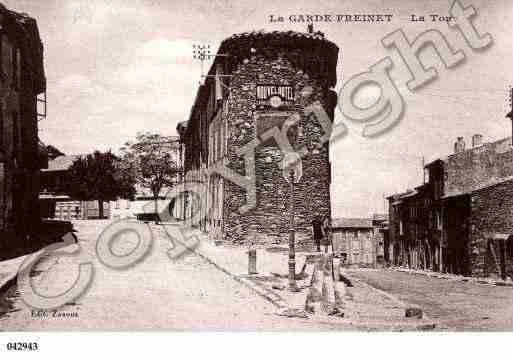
414,230
22,80
262,85
54,203
460,221
360,241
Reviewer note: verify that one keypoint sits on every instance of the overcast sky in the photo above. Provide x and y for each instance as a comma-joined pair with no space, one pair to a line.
116,67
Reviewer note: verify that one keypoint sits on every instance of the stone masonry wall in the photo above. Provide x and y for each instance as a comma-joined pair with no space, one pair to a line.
19,187
269,220
491,212
469,170
9,106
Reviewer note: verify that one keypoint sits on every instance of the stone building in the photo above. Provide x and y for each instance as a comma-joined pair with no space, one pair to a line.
22,79
414,231
359,240
461,220
261,85
54,203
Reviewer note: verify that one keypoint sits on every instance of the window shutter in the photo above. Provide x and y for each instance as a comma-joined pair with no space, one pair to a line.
6,57
18,68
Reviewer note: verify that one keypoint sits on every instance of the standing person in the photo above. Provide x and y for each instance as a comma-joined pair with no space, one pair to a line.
326,238
317,232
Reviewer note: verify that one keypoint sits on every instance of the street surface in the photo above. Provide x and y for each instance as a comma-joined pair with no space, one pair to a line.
193,293
157,293
454,305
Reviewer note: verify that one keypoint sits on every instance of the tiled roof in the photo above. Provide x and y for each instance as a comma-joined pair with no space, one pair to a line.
277,34
398,197
352,223
61,163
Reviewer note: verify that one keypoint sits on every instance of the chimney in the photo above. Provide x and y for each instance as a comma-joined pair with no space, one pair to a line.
477,140
459,145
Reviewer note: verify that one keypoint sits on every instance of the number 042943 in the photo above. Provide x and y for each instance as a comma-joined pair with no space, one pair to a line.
18,346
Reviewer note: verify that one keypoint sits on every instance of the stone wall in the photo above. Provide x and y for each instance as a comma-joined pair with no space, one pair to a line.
491,212
269,220
10,122
478,167
23,79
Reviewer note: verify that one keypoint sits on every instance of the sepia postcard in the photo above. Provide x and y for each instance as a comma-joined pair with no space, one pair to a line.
284,166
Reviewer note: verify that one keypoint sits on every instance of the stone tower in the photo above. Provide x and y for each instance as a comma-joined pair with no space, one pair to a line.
264,85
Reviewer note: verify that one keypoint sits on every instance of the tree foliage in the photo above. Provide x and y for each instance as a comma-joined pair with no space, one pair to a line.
153,160
99,176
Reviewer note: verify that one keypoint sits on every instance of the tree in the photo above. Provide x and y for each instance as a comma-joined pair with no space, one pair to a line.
101,177
153,159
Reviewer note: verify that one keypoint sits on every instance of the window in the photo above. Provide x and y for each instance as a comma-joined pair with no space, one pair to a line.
15,129
117,204
14,59
223,139
210,147
6,59
438,220
216,199
401,228
214,144
219,144
128,204
1,125
439,186
17,71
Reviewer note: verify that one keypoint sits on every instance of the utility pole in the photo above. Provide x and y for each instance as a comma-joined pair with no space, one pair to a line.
202,53
423,170
292,238
292,172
